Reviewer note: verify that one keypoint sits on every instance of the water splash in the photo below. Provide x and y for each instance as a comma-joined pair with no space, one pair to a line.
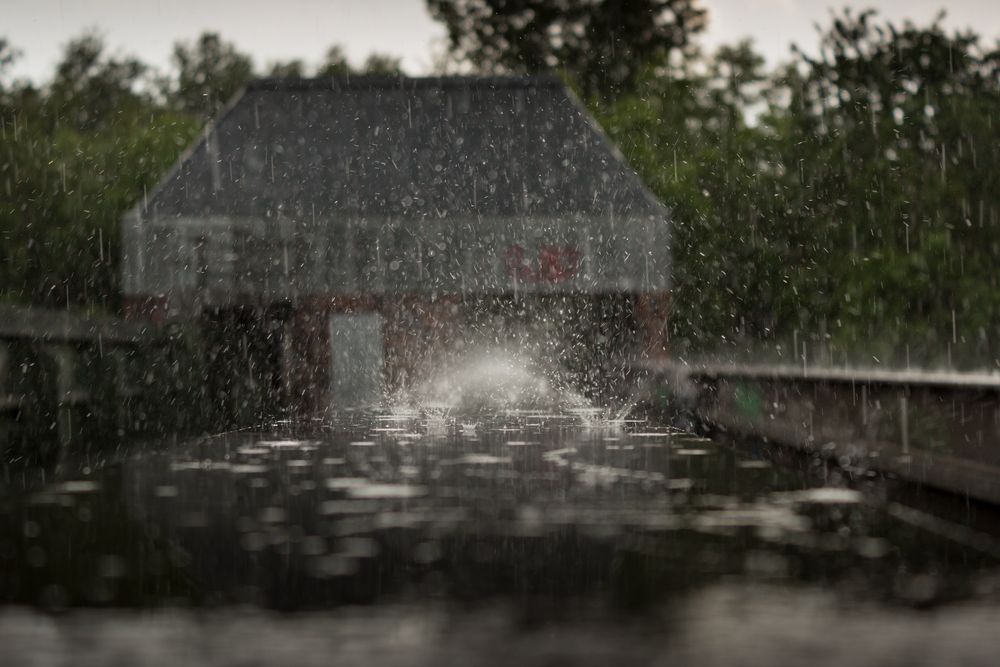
492,380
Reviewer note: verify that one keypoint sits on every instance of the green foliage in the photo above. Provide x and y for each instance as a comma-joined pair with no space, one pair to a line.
293,69
7,56
601,44
76,153
73,158
687,135
377,63
91,90
889,155
335,63
209,72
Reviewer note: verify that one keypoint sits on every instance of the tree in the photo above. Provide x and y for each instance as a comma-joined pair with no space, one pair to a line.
74,155
602,45
292,69
209,72
335,63
8,54
686,134
378,63
91,89
891,163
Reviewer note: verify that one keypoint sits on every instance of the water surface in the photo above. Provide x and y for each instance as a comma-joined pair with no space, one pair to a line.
522,519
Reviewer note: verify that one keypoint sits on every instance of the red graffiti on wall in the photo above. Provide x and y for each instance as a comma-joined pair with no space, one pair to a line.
553,264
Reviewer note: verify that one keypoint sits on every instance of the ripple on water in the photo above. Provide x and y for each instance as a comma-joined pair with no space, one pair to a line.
288,444
334,565
248,469
78,486
388,491
344,483
358,547
822,495
773,519
478,459
429,502
348,507
249,450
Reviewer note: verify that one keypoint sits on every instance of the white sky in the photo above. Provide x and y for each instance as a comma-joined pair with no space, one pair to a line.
283,30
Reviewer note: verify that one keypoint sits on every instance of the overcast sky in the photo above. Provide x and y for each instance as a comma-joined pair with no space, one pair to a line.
283,30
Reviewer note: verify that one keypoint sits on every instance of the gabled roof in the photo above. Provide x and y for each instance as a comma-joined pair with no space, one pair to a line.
389,185
402,147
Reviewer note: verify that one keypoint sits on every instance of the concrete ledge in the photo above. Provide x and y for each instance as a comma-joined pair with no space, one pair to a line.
849,375
937,429
66,377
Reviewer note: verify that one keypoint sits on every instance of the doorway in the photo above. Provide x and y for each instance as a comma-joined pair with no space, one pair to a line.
356,359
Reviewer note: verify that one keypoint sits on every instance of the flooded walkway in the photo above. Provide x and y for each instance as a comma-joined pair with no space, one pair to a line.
413,523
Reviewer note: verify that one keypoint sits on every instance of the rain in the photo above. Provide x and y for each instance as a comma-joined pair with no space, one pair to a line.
581,335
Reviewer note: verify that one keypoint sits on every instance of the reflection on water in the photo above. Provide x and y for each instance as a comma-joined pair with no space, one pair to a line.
548,513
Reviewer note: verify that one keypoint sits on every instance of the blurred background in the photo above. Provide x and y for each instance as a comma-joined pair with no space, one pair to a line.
831,168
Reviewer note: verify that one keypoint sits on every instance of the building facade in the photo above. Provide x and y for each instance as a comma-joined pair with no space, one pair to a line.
334,234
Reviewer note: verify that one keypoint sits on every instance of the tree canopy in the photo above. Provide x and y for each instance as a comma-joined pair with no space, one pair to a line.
601,44
859,207
77,151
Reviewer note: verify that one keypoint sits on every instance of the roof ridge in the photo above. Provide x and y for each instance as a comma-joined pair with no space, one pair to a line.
401,82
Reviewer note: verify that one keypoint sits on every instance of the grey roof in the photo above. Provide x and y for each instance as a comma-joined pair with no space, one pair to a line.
395,185
398,146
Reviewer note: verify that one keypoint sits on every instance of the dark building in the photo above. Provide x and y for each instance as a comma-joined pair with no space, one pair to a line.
336,233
